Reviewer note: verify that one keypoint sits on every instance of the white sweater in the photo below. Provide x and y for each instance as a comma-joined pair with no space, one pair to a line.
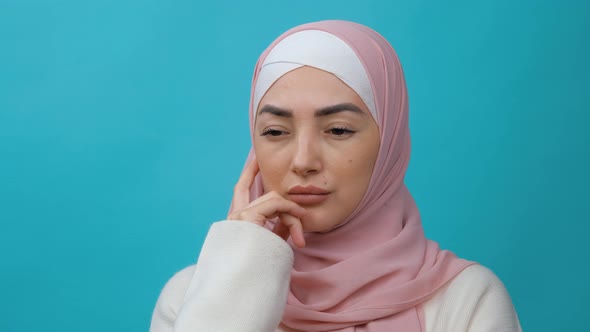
241,280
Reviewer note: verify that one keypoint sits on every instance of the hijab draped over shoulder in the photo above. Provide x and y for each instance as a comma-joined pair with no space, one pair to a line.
372,271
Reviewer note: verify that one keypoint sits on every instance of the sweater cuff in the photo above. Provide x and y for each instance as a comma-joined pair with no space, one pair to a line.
243,272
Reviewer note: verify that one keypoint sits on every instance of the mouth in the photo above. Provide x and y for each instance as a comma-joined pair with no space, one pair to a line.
309,195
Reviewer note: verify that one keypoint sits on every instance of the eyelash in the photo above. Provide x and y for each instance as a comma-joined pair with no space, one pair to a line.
270,131
344,130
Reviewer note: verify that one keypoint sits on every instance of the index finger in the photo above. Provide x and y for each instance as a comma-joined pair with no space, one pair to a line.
241,197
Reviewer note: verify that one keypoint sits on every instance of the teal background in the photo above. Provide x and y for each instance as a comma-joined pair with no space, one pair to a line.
123,127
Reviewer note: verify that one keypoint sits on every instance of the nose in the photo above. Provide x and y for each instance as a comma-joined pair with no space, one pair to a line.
307,158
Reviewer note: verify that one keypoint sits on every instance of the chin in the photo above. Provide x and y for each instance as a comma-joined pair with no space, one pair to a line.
315,222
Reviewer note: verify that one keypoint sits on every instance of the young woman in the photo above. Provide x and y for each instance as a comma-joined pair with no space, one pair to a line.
323,235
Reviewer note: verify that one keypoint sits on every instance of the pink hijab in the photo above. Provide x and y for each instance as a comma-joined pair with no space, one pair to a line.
373,272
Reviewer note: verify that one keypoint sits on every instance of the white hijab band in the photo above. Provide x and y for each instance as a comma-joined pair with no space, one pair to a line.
321,50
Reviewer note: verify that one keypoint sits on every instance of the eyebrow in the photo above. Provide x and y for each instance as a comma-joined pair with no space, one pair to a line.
344,107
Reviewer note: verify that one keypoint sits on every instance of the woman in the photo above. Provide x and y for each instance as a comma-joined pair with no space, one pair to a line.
323,235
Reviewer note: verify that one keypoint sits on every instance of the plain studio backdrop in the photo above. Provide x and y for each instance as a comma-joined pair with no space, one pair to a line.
124,126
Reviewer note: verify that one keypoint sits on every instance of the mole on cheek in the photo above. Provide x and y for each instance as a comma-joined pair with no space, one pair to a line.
349,160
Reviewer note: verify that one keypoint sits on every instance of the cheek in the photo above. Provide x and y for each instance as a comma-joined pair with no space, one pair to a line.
358,160
354,172
273,166
356,168
271,178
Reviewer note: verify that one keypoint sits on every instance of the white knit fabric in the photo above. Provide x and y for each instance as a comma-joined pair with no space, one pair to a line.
320,50
242,276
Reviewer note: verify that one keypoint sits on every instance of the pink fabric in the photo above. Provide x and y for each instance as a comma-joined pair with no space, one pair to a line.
372,272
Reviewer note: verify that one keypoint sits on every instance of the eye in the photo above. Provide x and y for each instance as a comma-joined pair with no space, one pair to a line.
272,132
341,131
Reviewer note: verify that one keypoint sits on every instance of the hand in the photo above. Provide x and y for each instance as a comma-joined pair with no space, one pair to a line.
266,207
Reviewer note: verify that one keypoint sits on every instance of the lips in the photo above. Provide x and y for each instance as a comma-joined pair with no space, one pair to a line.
309,195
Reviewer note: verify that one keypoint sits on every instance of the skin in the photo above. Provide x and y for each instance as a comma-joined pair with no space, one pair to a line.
311,129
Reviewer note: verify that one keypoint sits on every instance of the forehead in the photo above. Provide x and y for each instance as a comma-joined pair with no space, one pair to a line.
310,88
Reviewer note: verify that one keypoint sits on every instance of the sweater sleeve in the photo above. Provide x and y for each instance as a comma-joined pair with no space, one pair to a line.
474,301
240,283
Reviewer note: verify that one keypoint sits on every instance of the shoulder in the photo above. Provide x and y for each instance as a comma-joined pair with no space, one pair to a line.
171,297
466,290
476,278
475,300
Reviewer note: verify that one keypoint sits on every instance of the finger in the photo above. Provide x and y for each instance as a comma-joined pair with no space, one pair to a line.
241,197
290,225
273,206
268,209
281,229
264,198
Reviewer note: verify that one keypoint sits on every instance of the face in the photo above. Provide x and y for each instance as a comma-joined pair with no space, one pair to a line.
316,144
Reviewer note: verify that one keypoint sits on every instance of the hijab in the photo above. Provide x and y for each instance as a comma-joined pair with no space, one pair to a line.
373,271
